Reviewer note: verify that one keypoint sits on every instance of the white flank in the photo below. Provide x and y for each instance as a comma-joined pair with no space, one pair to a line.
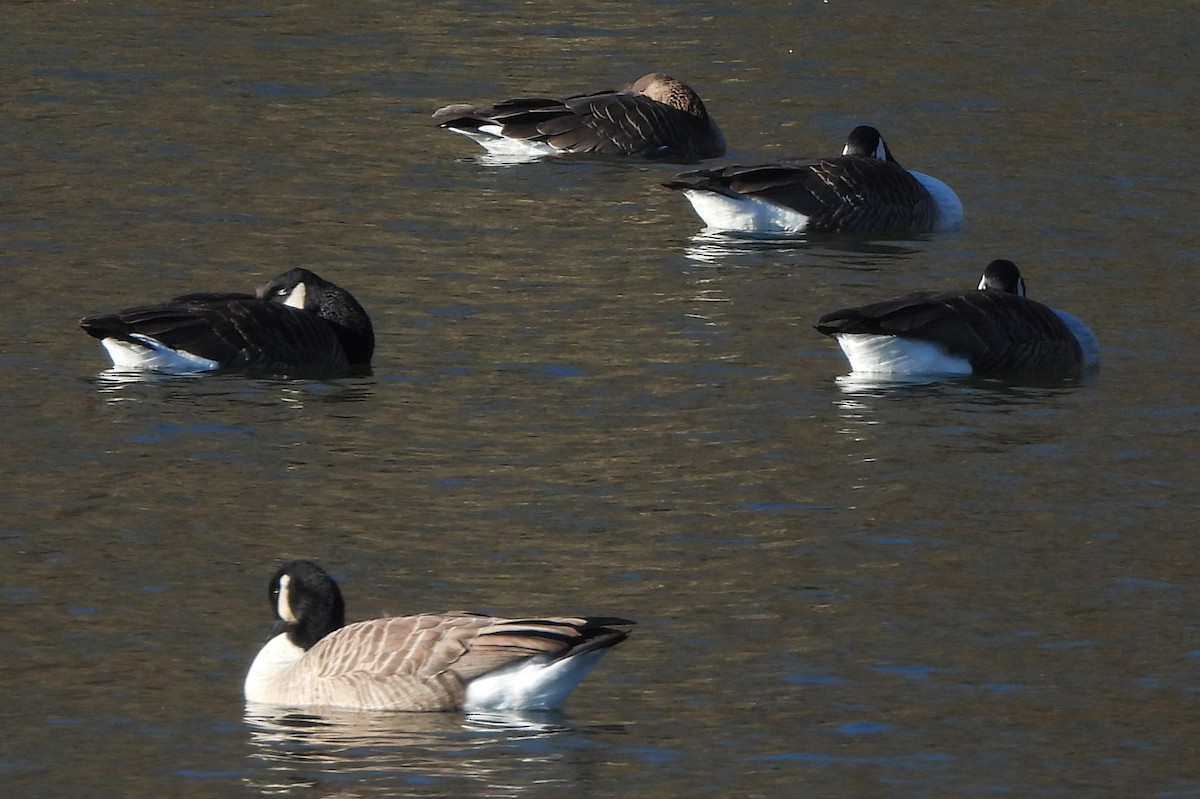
895,355
744,214
147,353
950,209
1085,337
489,137
266,672
531,684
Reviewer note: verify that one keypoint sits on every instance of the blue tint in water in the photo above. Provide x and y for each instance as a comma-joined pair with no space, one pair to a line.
1143,582
815,679
912,672
862,728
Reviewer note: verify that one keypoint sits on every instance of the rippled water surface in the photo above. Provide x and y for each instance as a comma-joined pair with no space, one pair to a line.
580,403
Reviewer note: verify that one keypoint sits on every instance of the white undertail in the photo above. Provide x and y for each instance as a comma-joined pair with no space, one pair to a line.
147,353
868,352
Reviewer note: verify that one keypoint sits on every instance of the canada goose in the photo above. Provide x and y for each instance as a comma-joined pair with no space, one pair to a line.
993,331
298,322
656,117
434,661
862,190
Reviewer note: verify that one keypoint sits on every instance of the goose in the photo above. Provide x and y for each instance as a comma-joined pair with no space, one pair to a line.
862,190
655,117
428,662
994,331
297,322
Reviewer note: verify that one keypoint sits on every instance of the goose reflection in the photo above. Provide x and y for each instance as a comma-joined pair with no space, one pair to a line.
124,386
712,246
294,749
879,384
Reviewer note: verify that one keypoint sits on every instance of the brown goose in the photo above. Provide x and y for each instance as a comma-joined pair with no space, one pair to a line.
298,322
862,190
994,331
656,117
434,661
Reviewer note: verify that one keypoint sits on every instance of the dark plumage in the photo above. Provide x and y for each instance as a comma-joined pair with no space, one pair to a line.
862,190
993,331
298,322
656,117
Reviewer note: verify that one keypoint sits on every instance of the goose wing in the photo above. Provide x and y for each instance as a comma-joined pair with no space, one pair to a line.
425,662
630,123
237,331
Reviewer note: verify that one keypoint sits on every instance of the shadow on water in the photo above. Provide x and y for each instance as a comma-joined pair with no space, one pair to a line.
489,752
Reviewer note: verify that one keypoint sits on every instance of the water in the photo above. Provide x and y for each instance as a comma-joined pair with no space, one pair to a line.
580,405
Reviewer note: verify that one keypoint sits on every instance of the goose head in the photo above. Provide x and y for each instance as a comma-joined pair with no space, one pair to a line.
867,142
669,91
305,290
307,603
1002,275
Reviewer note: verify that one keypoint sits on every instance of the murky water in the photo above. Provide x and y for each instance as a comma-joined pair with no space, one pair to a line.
580,405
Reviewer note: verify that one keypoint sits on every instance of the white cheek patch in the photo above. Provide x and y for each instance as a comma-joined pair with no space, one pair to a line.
297,296
284,608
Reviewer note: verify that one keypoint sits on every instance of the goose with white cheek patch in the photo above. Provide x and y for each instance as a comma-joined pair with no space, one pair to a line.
863,190
656,117
429,662
296,323
993,331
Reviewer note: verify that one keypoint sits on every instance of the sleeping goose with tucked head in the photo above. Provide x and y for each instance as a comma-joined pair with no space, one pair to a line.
433,661
863,190
656,117
298,323
994,331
